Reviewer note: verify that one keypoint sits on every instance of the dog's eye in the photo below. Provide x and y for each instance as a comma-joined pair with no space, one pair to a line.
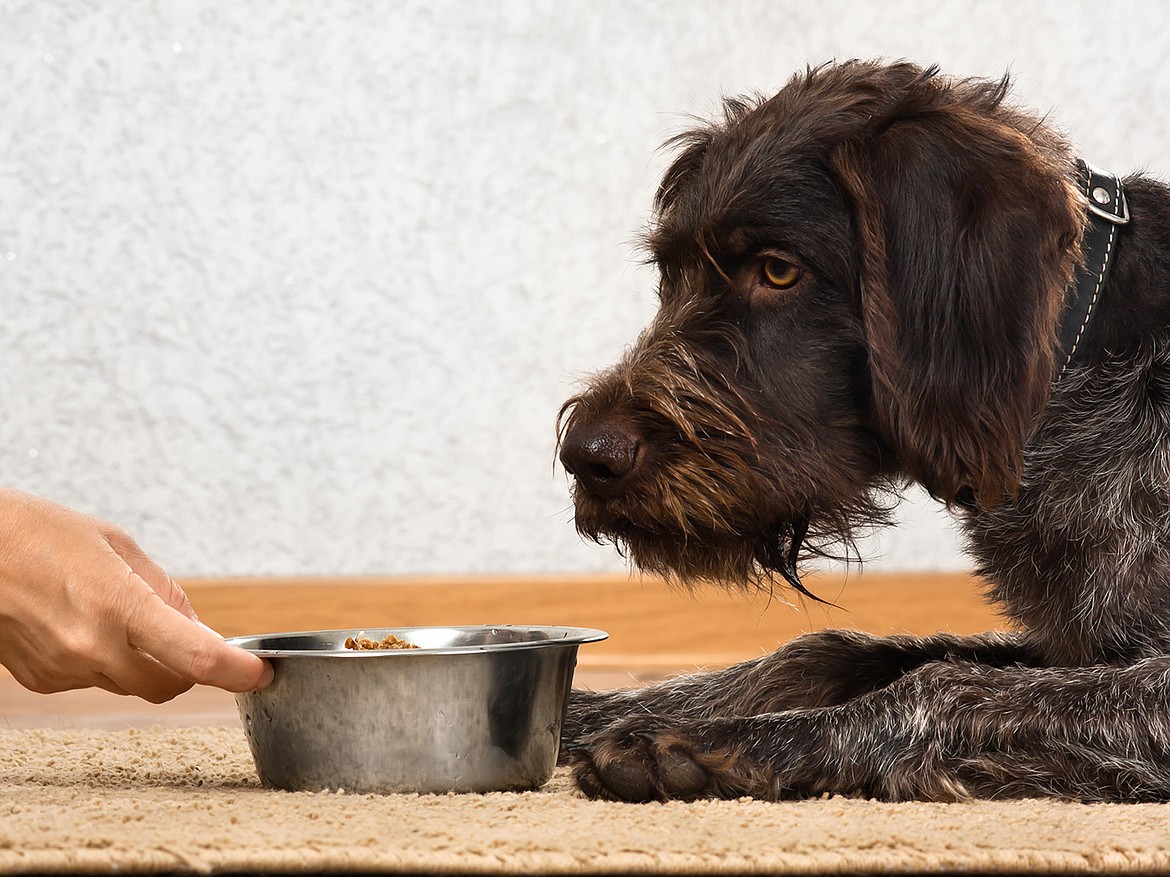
778,273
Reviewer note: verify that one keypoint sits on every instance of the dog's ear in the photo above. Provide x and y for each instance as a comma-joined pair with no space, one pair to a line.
967,234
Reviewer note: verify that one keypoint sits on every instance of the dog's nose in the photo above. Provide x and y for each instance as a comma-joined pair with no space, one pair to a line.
602,456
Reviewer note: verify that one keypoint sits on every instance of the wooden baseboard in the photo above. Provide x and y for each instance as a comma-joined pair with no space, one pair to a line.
648,621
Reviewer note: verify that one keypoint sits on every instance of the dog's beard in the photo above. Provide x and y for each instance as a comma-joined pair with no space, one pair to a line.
750,558
785,554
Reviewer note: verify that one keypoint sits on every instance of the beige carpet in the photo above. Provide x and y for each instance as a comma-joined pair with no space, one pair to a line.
188,800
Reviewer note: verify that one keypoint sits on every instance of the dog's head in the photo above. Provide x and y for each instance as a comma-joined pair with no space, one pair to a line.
860,282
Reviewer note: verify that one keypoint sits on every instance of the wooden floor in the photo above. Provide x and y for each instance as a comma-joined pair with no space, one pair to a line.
654,631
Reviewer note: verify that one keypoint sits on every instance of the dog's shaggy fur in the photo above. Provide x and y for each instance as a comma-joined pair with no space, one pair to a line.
861,282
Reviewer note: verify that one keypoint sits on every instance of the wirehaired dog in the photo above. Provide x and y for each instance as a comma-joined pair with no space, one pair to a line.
879,276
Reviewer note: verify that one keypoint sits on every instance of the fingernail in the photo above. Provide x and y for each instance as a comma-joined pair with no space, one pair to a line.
266,677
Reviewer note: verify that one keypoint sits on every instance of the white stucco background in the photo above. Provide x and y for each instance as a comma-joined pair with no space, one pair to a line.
298,287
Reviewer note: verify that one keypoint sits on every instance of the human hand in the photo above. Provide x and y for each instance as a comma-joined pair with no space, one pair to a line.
82,605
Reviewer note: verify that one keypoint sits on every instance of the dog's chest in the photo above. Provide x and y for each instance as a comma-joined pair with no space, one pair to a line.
1081,557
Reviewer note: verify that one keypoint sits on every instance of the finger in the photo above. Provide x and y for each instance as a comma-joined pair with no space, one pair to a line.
193,651
151,573
177,598
104,682
123,669
141,676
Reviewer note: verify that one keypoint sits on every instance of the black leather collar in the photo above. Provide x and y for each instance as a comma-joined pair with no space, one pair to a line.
1108,211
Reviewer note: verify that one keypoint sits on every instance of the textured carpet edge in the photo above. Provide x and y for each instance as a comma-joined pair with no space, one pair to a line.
288,861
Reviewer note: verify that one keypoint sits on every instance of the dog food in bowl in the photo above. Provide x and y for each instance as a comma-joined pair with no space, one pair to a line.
389,641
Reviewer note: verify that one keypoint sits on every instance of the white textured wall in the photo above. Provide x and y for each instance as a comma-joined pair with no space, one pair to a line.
298,287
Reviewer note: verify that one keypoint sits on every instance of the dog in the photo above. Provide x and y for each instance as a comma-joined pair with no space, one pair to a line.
880,276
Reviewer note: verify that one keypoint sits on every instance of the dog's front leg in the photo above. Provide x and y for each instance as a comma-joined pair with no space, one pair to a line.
826,668
941,732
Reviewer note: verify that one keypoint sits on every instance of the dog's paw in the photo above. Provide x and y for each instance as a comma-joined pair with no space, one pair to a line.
647,758
587,713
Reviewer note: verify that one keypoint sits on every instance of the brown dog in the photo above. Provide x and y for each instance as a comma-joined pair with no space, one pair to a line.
872,278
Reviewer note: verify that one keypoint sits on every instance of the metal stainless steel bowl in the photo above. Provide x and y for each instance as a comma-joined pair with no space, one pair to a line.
474,709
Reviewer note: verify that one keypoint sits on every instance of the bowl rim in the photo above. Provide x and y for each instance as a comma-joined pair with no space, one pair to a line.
561,636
